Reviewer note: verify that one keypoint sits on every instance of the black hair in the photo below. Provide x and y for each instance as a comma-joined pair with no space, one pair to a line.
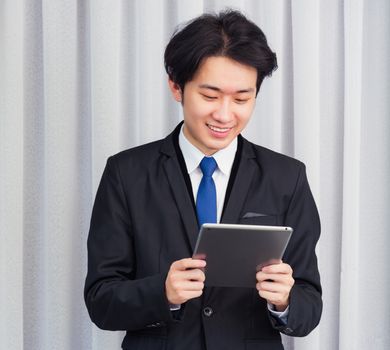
229,34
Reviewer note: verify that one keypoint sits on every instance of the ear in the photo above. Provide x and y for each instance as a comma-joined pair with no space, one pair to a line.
175,90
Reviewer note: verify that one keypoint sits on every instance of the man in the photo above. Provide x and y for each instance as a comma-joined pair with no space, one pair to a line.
141,277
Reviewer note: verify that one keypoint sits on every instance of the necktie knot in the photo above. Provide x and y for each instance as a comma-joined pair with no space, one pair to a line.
208,166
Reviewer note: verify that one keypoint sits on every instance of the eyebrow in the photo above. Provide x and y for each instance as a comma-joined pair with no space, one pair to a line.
211,87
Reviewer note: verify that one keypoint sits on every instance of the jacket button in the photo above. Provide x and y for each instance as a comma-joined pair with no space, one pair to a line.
288,330
208,311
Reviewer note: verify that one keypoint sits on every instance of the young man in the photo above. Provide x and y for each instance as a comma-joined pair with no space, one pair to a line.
149,206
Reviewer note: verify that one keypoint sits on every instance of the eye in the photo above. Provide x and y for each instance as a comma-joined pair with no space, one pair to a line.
209,98
241,100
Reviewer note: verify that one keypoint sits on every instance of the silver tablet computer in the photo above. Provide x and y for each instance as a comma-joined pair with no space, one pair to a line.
234,253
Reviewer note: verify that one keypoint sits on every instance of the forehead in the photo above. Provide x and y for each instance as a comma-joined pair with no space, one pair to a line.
225,74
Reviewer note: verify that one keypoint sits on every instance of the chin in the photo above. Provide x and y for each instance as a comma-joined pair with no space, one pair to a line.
217,146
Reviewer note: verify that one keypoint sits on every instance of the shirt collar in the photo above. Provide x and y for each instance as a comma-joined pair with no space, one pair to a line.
193,156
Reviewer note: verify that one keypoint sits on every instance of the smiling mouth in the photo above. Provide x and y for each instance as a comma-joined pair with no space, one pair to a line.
216,129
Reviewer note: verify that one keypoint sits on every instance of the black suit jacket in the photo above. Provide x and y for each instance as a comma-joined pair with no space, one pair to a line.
144,219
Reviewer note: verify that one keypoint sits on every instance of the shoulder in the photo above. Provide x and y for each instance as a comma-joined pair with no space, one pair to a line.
138,153
137,161
148,152
277,170
273,161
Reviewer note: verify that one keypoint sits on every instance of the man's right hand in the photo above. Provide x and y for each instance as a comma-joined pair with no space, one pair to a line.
185,280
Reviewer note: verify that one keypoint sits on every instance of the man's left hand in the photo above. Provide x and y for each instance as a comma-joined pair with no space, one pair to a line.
274,283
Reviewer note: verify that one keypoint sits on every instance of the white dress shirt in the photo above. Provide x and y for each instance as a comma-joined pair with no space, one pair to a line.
224,158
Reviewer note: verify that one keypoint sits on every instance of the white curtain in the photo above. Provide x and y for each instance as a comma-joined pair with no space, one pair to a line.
82,79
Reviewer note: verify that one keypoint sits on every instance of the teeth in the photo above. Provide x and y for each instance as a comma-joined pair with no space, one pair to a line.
214,128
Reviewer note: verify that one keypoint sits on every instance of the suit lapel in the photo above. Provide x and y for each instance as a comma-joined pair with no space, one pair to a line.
180,191
245,172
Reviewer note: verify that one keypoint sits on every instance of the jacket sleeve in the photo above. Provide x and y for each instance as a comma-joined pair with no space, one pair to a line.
305,297
114,298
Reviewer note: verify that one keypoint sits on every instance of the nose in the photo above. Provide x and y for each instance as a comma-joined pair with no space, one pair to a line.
223,112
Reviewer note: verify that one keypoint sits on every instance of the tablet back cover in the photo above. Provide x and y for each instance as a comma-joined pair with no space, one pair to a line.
234,253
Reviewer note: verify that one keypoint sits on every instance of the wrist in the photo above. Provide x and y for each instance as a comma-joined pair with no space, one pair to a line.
281,307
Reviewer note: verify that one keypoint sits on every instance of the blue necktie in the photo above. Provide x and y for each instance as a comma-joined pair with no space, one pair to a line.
206,200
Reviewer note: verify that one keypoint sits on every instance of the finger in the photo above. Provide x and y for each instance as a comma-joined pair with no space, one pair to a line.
185,286
187,275
194,275
188,263
277,277
282,270
277,268
273,287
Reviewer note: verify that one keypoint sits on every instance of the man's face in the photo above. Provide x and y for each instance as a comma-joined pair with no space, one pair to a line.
217,103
